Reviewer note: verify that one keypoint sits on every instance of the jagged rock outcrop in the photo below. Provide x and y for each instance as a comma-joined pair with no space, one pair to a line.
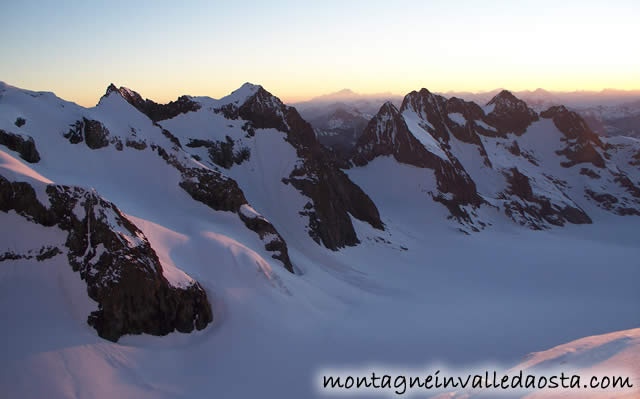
535,210
582,146
122,271
467,132
334,196
581,141
611,203
20,122
510,114
273,240
26,147
436,111
156,112
388,134
223,153
44,253
93,133
436,115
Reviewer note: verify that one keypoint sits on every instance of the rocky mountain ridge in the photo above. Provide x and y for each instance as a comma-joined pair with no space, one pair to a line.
466,144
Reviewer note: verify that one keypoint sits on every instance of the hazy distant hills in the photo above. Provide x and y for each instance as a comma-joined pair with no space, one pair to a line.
609,112
339,118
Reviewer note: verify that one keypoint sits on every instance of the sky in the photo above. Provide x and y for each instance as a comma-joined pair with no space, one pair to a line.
298,50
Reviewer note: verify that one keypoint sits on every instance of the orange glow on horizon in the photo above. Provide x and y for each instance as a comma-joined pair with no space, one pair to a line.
210,49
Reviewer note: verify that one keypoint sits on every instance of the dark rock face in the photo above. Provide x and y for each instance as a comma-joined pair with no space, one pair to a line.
136,144
431,108
170,136
221,193
223,153
590,173
40,255
25,147
436,111
74,135
93,133
333,194
611,203
265,111
581,140
519,185
537,209
626,183
584,146
156,112
514,148
274,241
213,189
20,122
510,114
122,272
388,134
471,112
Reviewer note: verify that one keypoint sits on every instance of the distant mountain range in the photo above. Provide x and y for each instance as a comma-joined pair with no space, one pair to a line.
339,118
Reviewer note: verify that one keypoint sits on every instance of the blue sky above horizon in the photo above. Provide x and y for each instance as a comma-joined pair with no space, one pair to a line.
164,49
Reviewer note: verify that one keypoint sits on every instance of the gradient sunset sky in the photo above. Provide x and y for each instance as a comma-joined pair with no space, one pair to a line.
298,50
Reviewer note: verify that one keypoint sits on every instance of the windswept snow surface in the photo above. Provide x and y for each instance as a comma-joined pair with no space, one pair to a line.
613,354
419,292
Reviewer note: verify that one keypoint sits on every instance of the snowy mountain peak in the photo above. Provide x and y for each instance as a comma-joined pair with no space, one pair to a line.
504,97
240,95
249,86
388,107
345,92
259,107
508,113
420,102
111,89
542,91
423,92
132,97
556,109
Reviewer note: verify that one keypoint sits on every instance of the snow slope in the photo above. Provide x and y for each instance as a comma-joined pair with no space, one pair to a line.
613,354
